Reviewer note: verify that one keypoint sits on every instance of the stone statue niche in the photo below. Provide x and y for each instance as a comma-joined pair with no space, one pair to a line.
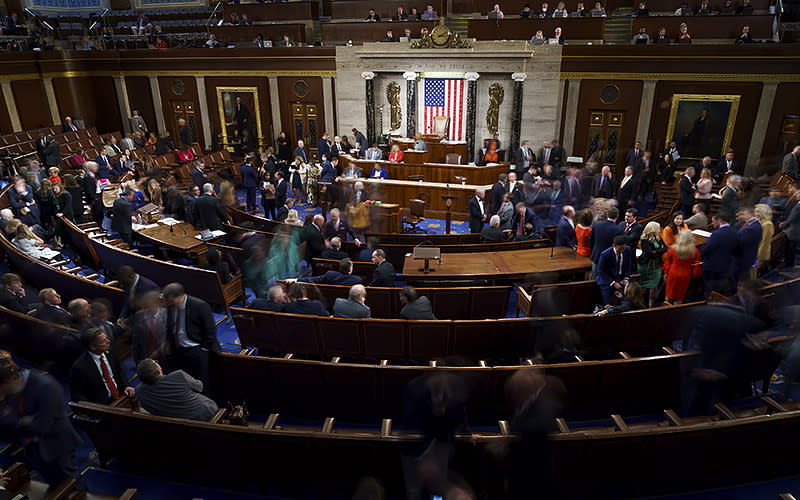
396,111
496,94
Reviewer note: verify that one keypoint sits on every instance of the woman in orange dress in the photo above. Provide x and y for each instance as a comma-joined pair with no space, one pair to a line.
681,265
582,231
671,230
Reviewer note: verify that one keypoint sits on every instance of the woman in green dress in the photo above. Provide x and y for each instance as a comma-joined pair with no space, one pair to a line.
649,263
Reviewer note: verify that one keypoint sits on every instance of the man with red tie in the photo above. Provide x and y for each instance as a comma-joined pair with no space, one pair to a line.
96,376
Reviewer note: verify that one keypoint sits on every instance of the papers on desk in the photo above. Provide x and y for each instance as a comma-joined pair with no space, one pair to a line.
48,254
210,235
492,164
139,227
169,221
700,232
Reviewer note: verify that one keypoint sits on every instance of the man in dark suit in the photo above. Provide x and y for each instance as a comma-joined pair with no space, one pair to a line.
384,273
354,305
324,146
334,252
68,126
164,143
300,151
337,148
492,232
747,240
414,306
546,154
731,195
51,155
199,178
717,254
274,302
12,293
105,168
604,184
522,216
312,236
496,194
121,216
572,187
208,212
344,276
556,151
699,165
184,134
631,230
249,183
727,166
136,286
791,163
51,310
361,141
687,189
643,173
614,270
280,189
634,154
96,376
477,211
565,232
338,227
602,236
524,158
191,333
41,143
33,409
283,210
514,189
628,189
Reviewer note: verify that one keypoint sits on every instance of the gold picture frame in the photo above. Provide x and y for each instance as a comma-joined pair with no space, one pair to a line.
702,124
226,100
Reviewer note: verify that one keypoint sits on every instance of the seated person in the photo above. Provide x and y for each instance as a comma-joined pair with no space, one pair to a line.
335,251
744,36
400,15
633,300
414,306
274,302
389,37
580,11
727,8
703,8
775,200
683,10
12,294
351,172
378,172
661,38
614,270
598,10
538,38
344,276
641,38
27,242
641,11
396,156
419,144
561,10
176,395
96,375
745,9
214,262
353,306
51,310
492,233
698,220
526,12
372,17
300,303
683,35
496,13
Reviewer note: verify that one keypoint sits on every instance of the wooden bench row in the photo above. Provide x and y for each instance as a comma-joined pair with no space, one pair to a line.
620,459
21,484
325,337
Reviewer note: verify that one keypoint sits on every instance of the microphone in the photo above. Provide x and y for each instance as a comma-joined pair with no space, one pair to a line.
179,225
552,243
422,243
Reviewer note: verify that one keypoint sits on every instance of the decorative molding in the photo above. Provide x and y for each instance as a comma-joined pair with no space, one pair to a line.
519,77
410,75
471,76
721,77
193,73
367,75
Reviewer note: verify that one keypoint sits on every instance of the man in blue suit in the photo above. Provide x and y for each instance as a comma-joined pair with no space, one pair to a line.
565,234
614,270
344,276
717,253
602,236
105,168
249,183
747,240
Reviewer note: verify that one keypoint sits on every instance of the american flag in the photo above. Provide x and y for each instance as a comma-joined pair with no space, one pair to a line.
445,96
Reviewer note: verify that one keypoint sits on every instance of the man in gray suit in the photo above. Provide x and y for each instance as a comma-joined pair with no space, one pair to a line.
791,163
414,306
352,307
137,123
374,153
176,395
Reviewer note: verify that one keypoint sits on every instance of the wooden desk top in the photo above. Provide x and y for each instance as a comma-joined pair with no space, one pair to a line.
515,264
407,183
160,235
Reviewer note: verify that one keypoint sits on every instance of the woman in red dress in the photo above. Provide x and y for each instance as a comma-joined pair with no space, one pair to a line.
681,265
396,156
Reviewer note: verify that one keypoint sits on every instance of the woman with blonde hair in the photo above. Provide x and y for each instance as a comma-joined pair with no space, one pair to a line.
28,242
153,190
292,218
649,263
703,192
764,214
680,267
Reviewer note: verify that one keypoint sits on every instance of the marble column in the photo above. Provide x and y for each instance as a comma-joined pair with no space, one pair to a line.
205,119
52,103
472,111
155,93
369,77
124,104
411,103
760,128
571,117
8,96
275,107
328,98
645,112
516,116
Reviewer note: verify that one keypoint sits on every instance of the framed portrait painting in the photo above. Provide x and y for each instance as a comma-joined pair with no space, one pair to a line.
239,114
702,125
